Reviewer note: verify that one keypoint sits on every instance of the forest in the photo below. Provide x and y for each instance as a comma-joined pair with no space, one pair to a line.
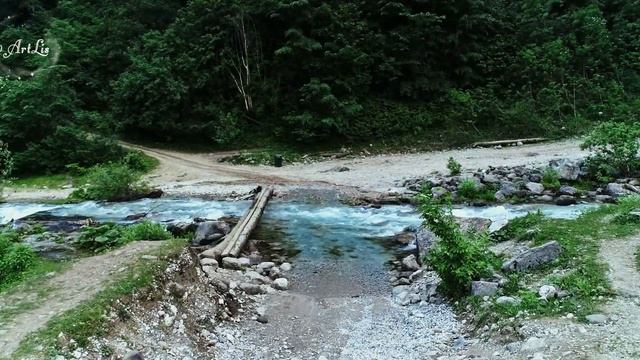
233,73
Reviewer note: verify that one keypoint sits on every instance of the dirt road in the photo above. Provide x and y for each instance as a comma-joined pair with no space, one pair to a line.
197,174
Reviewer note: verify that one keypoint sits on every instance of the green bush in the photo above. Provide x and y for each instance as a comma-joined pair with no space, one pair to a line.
110,182
454,167
614,150
109,236
468,189
15,259
136,160
6,160
458,258
550,179
628,207
145,231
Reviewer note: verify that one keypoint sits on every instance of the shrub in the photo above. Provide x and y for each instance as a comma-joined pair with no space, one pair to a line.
454,167
6,160
111,182
458,257
627,209
550,179
468,189
614,150
109,236
138,161
15,259
145,231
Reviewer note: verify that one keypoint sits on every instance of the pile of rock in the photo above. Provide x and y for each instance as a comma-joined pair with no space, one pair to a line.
525,183
258,279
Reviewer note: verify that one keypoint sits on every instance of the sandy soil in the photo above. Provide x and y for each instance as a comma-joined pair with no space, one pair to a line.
64,291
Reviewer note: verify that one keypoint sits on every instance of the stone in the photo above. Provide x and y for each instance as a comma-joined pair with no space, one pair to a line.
403,298
264,267
210,253
490,179
210,231
596,318
285,267
617,190
606,199
545,198
425,240
438,192
256,278
410,263
484,288
236,263
567,190
134,355
508,188
507,300
566,169
209,262
534,188
280,284
177,290
533,257
500,197
533,345
474,224
180,228
274,272
565,200
209,270
251,289
547,292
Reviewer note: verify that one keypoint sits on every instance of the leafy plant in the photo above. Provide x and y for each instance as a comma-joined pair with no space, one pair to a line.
109,236
614,150
550,179
111,182
137,161
15,259
458,257
145,230
468,189
454,167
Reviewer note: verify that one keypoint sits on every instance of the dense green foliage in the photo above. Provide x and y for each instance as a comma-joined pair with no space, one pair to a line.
551,179
454,167
111,182
108,236
15,258
458,257
614,150
309,71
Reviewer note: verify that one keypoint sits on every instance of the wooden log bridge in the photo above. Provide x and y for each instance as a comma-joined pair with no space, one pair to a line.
238,237
508,142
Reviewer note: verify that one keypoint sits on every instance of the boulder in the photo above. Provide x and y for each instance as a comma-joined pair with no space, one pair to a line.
490,179
209,262
565,200
425,240
566,169
508,188
180,228
545,198
617,190
280,284
438,192
410,263
507,300
533,257
596,319
500,197
567,190
134,355
474,224
547,292
257,278
209,231
285,267
252,289
606,199
236,263
534,188
264,267
484,288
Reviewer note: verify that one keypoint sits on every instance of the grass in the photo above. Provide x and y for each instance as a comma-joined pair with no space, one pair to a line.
88,319
33,281
56,181
584,276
